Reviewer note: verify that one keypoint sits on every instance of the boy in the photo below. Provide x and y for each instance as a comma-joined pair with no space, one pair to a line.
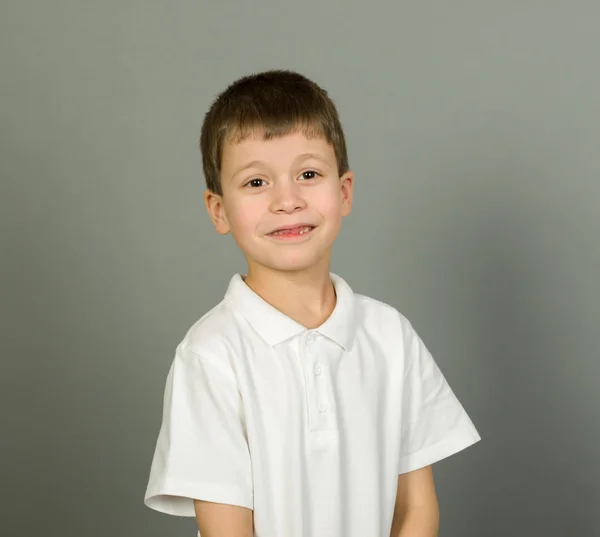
295,407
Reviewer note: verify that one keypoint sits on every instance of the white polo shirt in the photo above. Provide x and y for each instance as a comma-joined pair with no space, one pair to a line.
309,428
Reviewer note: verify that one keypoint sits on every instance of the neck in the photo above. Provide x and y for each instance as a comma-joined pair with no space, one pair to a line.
307,297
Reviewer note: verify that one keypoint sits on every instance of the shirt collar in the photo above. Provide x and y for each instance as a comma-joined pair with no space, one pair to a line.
275,327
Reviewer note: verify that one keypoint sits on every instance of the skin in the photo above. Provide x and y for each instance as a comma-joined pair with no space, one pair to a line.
416,513
287,181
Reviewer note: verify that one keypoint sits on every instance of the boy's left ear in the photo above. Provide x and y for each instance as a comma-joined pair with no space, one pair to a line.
347,191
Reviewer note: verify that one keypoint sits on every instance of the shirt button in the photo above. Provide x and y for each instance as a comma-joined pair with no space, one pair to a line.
318,370
310,339
322,408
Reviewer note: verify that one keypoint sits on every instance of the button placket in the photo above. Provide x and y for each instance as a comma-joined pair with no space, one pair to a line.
320,412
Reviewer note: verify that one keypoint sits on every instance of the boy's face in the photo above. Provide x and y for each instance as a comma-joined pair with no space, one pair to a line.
281,183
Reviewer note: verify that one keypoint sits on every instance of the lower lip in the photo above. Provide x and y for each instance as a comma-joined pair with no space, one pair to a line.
290,237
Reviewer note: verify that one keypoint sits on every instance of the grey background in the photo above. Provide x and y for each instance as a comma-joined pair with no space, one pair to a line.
473,129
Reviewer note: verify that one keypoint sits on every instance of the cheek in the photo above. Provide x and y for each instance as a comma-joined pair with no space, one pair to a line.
244,215
330,202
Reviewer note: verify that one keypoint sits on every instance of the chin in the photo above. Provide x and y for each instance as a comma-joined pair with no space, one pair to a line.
288,265
292,267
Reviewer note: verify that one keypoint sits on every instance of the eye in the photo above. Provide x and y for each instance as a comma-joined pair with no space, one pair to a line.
255,183
310,174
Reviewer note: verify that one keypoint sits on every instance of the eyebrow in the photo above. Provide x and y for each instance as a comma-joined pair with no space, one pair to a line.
316,156
298,159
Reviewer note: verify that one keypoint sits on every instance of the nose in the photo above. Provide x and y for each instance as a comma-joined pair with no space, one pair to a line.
287,197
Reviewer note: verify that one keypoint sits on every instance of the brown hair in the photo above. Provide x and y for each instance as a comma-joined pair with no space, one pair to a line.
276,103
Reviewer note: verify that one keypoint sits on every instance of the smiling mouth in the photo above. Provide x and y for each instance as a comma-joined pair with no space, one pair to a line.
292,232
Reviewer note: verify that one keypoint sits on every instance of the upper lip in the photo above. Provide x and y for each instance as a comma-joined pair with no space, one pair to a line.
292,226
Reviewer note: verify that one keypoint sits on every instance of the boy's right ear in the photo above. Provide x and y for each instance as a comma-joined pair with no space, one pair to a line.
216,211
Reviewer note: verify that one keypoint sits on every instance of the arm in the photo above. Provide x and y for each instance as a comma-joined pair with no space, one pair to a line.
222,520
416,513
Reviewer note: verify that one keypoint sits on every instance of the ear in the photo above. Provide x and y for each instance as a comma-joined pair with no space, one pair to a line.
346,192
216,211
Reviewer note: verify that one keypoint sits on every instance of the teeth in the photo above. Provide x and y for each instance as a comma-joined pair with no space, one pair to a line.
301,232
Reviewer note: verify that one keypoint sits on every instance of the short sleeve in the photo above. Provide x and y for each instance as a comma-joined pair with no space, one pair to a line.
434,423
202,451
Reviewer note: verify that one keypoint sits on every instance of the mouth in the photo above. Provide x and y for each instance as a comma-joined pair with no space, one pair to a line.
292,232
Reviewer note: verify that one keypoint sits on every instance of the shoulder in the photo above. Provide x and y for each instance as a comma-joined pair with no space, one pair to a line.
374,314
385,326
215,336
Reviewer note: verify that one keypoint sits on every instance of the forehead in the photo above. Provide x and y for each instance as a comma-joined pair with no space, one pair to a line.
280,150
